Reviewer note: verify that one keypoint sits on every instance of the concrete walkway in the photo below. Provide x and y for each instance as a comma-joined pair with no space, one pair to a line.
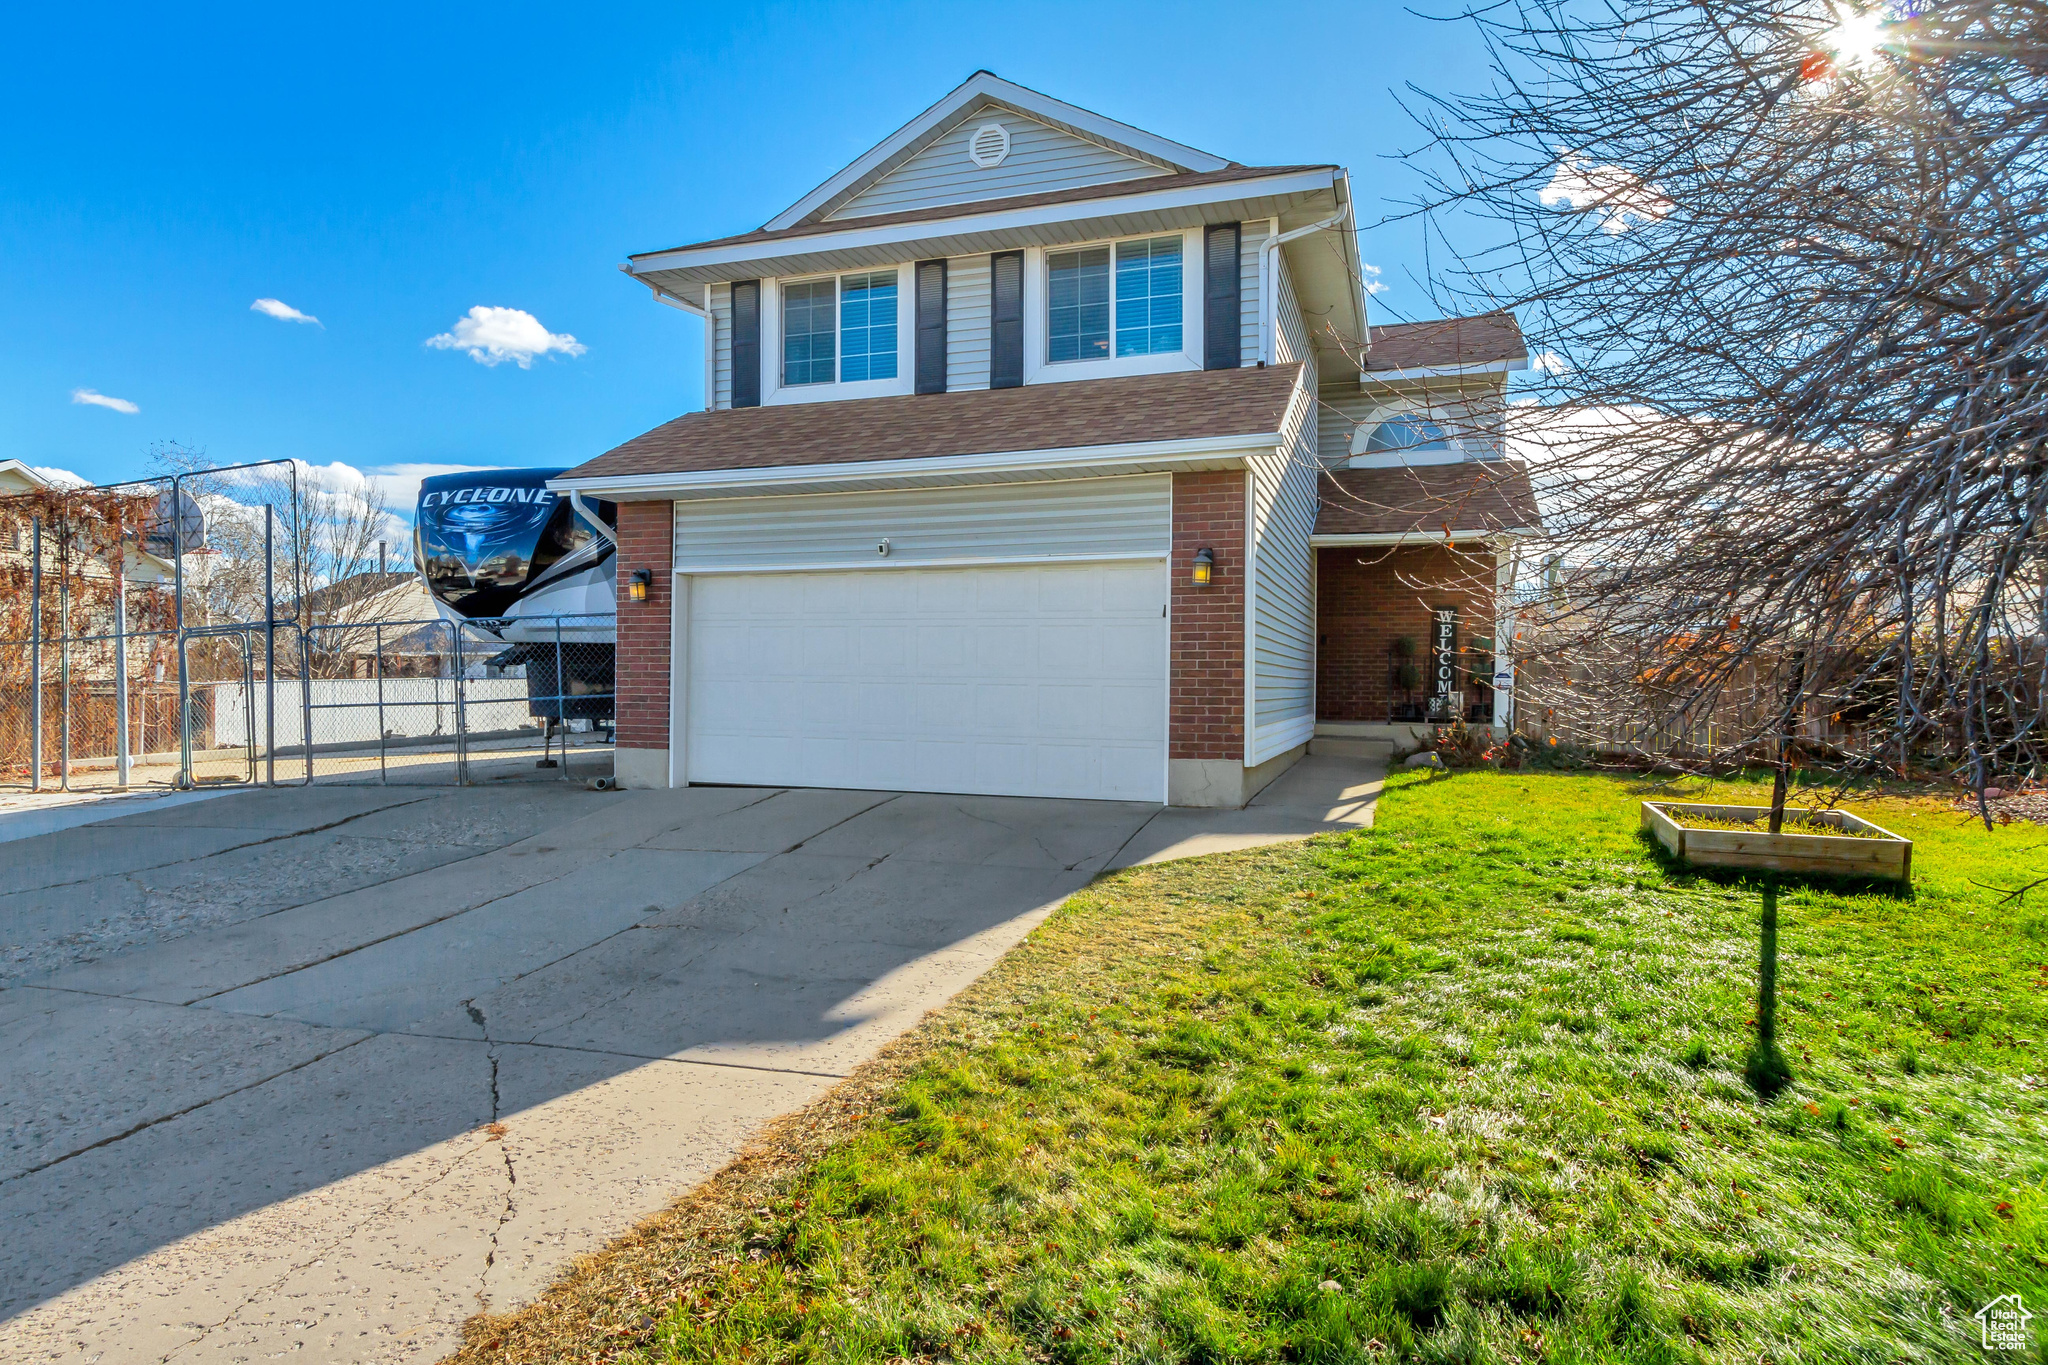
323,1072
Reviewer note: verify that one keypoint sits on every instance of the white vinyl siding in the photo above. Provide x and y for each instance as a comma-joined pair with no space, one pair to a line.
1283,646
1040,159
721,346
968,302
1290,334
1120,518
1471,414
1254,241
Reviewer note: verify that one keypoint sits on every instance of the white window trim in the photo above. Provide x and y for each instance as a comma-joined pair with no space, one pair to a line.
1037,288
1458,453
774,392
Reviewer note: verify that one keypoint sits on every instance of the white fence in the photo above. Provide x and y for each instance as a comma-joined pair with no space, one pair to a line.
347,710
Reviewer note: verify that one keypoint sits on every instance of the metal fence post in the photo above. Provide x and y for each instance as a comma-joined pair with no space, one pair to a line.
64,657
383,775
35,655
121,756
248,700
269,646
178,638
562,698
306,698
461,715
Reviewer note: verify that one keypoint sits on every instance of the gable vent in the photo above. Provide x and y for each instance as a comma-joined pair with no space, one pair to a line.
989,145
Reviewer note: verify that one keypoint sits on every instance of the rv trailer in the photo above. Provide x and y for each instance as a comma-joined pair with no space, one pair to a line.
503,554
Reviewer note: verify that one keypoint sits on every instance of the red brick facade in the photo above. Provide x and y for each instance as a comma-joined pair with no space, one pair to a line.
1367,597
1206,689
646,541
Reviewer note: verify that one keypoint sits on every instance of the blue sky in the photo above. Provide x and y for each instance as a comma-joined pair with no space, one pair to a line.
389,170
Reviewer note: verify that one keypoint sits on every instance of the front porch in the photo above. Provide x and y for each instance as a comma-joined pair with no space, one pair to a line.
1414,576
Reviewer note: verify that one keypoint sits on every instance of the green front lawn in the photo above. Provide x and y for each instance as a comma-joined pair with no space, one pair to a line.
1464,1087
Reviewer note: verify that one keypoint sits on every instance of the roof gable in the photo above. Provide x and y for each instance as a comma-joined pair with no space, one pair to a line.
1039,158
980,91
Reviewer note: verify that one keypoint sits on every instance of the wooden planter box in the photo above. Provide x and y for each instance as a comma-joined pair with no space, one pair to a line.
1837,854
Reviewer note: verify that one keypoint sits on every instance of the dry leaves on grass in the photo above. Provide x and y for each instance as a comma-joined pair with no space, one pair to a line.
608,1302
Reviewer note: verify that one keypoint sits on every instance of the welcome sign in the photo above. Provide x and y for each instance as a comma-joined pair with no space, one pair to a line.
1446,702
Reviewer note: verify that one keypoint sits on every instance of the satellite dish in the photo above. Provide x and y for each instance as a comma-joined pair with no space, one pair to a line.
159,537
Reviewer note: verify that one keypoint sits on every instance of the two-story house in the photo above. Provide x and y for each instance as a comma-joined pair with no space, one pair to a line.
1045,456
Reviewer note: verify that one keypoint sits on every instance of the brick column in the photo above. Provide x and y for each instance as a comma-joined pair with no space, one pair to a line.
646,541
1206,687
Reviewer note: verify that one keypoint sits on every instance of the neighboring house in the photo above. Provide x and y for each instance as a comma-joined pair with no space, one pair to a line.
1038,459
358,620
17,478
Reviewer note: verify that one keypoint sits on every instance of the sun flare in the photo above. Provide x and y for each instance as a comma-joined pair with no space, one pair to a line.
1856,36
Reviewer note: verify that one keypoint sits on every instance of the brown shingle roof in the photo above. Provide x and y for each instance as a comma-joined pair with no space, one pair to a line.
1081,193
1154,407
1447,341
1467,498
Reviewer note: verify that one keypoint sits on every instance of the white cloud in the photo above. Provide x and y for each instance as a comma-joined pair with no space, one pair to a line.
495,335
1548,362
282,311
1373,283
62,478
399,483
1620,197
93,398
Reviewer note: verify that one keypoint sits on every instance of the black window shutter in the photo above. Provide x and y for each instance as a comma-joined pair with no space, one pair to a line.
931,326
746,343
1006,321
1222,291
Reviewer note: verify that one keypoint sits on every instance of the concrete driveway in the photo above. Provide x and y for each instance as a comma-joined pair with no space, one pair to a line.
253,1050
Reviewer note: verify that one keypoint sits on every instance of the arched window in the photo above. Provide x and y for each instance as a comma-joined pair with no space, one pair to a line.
1404,435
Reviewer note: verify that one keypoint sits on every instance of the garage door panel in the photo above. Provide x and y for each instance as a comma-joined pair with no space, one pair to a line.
1002,651
945,649
776,649
1068,648
1004,709
1014,680
1133,710
1065,769
887,650
1121,595
1129,772
998,594
830,649
1071,710
946,594
1073,591
1126,655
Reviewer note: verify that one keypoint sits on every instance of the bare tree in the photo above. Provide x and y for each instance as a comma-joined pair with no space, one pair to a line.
1797,251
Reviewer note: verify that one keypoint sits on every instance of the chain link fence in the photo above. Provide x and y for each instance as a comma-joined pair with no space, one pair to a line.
224,626
409,701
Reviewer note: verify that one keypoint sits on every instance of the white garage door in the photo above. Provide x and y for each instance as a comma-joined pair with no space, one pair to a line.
1044,680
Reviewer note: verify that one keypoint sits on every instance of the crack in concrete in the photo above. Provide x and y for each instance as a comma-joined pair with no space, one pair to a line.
819,834
383,938
188,1109
638,1056
233,848
496,1133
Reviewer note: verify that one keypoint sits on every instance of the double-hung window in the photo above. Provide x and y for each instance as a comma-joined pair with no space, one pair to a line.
840,329
1127,297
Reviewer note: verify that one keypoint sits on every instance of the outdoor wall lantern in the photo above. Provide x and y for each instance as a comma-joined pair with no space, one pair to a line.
643,581
1205,567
